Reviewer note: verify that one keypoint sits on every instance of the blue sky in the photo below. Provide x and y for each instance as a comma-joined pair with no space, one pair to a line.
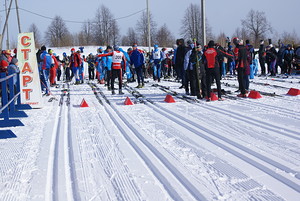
223,15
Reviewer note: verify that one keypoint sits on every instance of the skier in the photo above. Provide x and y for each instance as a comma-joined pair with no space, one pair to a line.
46,65
213,68
91,66
271,58
137,59
179,60
75,62
243,68
107,63
117,58
156,58
288,56
58,71
262,57
230,61
66,66
53,68
99,66
81,68
189,65
13,68
250,55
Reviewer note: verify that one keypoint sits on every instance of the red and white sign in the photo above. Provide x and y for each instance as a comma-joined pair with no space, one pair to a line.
29,73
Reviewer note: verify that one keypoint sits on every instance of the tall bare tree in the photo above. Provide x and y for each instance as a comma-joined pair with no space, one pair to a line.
222,39
164,37
85,36
106,30
57,34
257,25
130,38
242,33
290,38
142,29
37,35
191,24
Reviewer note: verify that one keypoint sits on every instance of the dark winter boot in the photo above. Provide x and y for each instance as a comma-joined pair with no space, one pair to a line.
113,92
120,92
109,88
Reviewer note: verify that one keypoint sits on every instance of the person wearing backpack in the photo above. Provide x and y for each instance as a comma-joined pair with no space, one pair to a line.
288,56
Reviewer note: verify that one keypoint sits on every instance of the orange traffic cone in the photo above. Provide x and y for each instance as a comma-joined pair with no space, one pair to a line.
84,103
294,92
213,96
254,94
128,101
169,99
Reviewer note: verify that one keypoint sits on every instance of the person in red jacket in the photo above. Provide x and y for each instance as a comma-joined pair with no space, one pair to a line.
54,66
117,58
213,68
75,62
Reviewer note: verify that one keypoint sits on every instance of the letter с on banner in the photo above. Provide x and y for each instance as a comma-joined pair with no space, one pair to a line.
29,73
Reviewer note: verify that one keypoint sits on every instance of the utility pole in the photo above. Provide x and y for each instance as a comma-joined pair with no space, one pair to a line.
7,34
18,16
149,35
203,22
5,24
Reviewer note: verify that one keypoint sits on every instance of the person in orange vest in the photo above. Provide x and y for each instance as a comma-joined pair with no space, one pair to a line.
213,67
117,58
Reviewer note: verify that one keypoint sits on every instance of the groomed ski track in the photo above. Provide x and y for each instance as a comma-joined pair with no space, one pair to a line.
238,149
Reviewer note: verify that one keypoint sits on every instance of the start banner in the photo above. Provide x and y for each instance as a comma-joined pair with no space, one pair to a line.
29,73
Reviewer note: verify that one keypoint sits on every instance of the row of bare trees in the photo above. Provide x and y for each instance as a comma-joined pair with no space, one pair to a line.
104,30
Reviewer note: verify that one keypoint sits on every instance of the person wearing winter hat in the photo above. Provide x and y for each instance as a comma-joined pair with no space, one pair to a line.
117,58
13,68
53,69
137,59
213,68
243,69
46,62
156,58
75,62
3,66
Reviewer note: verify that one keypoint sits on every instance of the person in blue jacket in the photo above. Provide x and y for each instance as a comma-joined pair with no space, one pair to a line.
99,65
127,70
137,59
156,57
13,68
46,62
288,56
107,63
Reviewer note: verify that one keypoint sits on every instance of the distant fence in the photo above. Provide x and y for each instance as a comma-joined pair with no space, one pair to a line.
11,101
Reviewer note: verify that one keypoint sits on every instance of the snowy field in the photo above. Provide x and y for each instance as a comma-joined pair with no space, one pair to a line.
236,149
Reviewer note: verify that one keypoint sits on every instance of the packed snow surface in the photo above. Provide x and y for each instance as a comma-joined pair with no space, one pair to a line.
236,149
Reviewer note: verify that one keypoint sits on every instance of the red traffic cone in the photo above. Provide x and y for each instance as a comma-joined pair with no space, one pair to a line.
169,99
84,103
128,101
254,94
213,96
294,92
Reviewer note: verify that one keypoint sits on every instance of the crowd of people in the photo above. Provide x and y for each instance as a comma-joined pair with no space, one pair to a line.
196,67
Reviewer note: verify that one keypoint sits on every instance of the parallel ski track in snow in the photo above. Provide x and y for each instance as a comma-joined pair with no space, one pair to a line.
164,170
260,161
282,97
283,111
60,154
